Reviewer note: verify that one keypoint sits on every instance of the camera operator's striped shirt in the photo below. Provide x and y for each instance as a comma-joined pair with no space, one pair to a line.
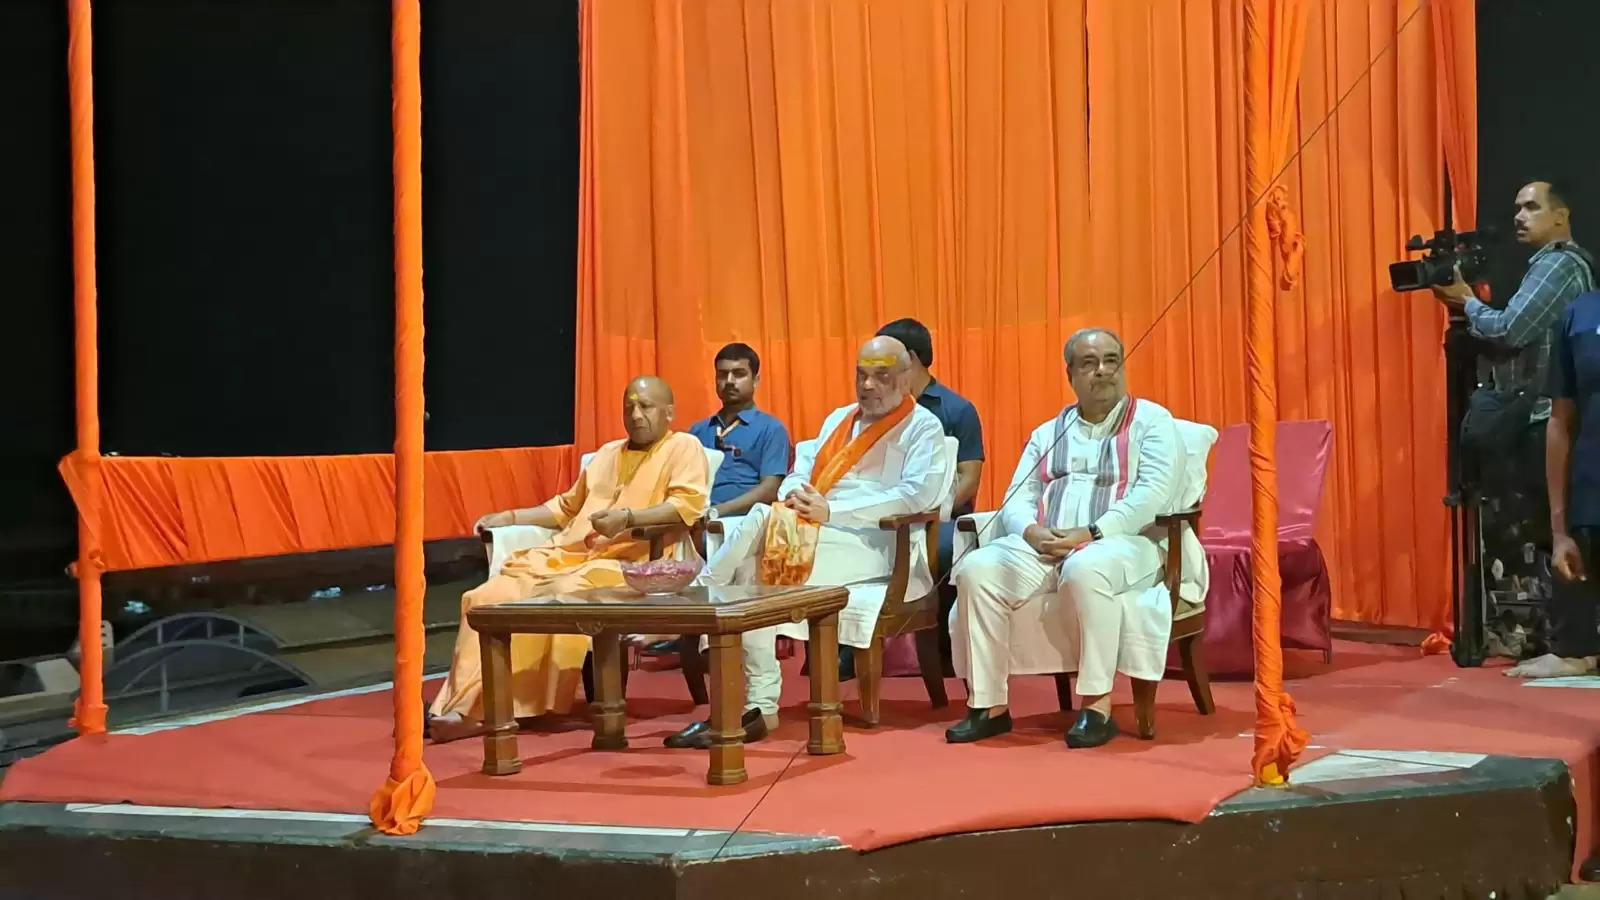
1557,274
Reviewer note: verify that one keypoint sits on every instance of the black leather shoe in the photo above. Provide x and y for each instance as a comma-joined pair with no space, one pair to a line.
689,735
978,725
698,734
1091,730
1590,870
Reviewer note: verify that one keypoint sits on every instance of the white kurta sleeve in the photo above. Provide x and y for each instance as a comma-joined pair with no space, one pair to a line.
1021,508
1157,453
805,456
918,489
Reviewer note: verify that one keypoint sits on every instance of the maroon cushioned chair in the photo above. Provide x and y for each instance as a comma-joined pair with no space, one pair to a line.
1303,452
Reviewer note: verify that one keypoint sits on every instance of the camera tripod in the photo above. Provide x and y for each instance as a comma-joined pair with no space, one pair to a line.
1467,587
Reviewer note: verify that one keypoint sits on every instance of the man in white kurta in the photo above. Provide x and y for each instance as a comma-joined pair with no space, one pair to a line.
1078,534
905,471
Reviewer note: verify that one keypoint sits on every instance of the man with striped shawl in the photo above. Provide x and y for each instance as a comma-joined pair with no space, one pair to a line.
1079,521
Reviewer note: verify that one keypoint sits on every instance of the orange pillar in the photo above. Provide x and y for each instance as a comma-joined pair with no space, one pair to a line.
407,796
1271,73
90,711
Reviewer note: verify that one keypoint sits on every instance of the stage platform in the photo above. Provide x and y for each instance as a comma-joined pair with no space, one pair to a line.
1423,781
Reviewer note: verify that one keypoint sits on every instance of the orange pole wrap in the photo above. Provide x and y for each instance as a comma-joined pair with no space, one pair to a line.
407,796
1274,34
89,713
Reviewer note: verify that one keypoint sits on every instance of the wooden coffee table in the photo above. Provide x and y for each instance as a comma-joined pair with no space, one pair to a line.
720,613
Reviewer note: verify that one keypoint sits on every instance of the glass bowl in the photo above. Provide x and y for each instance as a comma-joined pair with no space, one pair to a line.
659,576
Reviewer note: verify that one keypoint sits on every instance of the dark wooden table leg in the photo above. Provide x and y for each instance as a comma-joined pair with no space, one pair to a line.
727,708
609,708
827,724
500,740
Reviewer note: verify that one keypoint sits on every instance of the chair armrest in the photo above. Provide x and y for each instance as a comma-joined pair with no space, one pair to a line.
890,523
658,535
1174,523
1191,516
714,526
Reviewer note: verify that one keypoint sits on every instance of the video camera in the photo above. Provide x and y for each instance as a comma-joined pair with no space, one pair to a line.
1445,250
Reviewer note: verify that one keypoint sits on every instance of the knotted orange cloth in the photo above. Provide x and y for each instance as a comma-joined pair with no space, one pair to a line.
789,548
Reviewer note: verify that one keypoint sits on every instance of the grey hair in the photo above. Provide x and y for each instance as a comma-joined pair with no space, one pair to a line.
1084,334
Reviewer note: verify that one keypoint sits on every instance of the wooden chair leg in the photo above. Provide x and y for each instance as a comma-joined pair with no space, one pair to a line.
929,661
693,664
1144,707
1194,671
869,676
1064,690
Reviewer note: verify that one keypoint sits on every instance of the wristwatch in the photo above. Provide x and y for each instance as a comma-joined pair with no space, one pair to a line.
1094,532
711,514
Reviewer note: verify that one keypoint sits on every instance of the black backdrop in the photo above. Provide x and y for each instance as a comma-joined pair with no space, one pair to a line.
1537,116
244,188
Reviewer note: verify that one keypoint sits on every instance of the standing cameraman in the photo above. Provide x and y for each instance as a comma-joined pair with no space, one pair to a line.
1558,272
1503,432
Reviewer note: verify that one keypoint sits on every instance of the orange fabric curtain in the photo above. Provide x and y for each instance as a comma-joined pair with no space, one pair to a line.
89,715
1274,37
163,511
794,175
406,796
1455,48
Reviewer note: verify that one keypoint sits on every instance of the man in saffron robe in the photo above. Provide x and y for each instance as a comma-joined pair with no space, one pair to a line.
1078,523
654,477
883,455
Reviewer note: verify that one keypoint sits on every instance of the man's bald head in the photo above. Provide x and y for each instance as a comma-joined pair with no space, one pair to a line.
884,351
647,409
654,385
882,366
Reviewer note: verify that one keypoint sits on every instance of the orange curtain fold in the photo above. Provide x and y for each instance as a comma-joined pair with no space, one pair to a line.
816,169
1274,39
165,511
406,796
1455,60
89,711
1455,50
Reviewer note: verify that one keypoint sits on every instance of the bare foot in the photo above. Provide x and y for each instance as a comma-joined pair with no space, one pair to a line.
452,727
1548,666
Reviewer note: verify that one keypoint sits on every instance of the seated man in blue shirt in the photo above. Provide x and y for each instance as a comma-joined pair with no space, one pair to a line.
755,446
1572,470
960,420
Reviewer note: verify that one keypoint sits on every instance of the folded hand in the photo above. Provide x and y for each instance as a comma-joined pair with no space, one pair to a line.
610,522
809,503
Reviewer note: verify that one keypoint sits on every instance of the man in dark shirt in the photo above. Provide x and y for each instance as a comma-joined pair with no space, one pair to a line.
960,420
755,446
1572,468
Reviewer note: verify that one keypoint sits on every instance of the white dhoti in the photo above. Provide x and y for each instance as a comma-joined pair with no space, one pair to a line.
857,558
1101,611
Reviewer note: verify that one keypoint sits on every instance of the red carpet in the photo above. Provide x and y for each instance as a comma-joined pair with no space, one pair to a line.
896,783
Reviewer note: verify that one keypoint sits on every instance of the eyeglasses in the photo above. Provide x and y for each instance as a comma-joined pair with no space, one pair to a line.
1087,364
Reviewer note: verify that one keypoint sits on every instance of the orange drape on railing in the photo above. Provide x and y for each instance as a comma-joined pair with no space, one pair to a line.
406,796
164,511
89,714
1274,38
795,174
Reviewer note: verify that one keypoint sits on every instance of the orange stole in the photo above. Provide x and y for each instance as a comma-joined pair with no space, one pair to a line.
789,547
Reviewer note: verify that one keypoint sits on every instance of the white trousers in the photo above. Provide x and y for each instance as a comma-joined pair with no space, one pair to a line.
1094,613
843,557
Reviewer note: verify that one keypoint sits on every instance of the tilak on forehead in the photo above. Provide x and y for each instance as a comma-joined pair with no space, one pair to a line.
887,362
